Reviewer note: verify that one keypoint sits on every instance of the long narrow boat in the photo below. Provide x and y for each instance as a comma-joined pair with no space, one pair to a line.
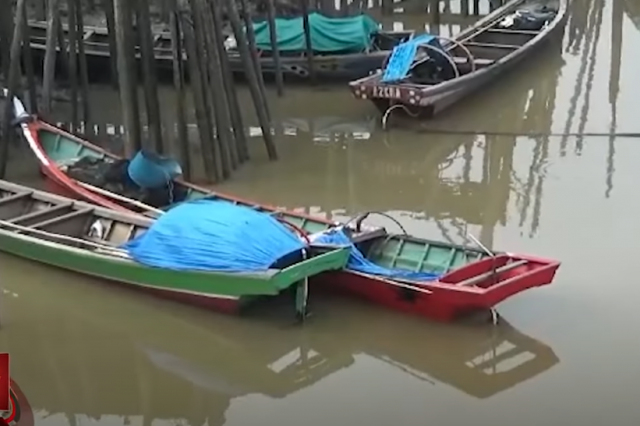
359,50
210,269
430,278
430,73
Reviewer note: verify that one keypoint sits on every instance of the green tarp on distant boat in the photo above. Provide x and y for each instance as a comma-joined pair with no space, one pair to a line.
351,34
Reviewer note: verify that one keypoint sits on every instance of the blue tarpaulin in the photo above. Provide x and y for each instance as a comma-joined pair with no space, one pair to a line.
402,57
351,34
213,235
357,261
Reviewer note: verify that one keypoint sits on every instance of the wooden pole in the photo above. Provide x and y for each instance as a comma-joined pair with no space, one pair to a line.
12,82
113,50
27,58
83,68
275,51
230,87
147,56
202,114
220,103
49,57
251,72
126,82
178,83
307,41
73,64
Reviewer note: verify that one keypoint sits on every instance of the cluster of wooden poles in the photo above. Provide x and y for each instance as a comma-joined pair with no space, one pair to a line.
199,55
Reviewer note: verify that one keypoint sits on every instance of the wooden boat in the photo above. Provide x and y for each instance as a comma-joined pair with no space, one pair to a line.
85,238
334,66
470,278
430,73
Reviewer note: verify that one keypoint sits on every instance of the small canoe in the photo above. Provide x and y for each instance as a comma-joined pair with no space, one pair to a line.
133,250
430,73
337,64
462,278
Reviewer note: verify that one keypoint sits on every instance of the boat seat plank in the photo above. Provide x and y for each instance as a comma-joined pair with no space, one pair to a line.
40,212
478,61
71,215
492,45
15,197
507,31
479,278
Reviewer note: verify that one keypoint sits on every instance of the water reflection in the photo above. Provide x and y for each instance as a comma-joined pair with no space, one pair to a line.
80,351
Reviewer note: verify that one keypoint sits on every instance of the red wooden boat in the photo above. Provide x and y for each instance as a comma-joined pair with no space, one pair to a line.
468,278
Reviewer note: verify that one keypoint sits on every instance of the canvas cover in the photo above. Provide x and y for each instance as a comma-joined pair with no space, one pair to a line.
352,34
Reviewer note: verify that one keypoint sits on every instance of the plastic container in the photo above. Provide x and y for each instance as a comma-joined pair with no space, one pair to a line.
149,170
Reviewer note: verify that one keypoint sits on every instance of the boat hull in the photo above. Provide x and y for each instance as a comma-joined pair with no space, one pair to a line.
443,300
423,101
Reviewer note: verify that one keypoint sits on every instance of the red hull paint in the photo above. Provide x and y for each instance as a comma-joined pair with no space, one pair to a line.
445,301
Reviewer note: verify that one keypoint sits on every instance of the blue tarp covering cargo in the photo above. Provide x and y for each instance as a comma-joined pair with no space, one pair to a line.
403,55
351,34
213,235
357,262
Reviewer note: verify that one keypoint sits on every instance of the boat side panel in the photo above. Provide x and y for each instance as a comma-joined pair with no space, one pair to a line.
111,268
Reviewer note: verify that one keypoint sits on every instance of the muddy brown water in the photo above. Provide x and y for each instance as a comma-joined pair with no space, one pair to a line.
88,353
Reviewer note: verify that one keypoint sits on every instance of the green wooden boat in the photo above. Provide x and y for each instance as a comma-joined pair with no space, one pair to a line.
470,277
85,238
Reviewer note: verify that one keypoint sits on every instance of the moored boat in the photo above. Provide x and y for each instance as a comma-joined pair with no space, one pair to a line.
430,278
429,73
344,48
207,252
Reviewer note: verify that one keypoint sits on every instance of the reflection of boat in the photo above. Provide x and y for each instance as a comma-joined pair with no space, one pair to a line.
428,74
480,362
88,239
337,58
431,278
233,358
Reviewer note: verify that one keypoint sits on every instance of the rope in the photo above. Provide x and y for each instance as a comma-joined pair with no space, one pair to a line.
529,134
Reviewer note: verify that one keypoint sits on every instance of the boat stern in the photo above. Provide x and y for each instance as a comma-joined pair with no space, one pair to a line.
489,281
321,259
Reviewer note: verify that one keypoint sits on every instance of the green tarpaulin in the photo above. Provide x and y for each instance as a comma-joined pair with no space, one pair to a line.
351,34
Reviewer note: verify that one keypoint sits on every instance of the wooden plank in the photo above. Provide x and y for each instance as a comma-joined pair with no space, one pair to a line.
41,212
65,217
492,45
479,278
15,197
507,31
